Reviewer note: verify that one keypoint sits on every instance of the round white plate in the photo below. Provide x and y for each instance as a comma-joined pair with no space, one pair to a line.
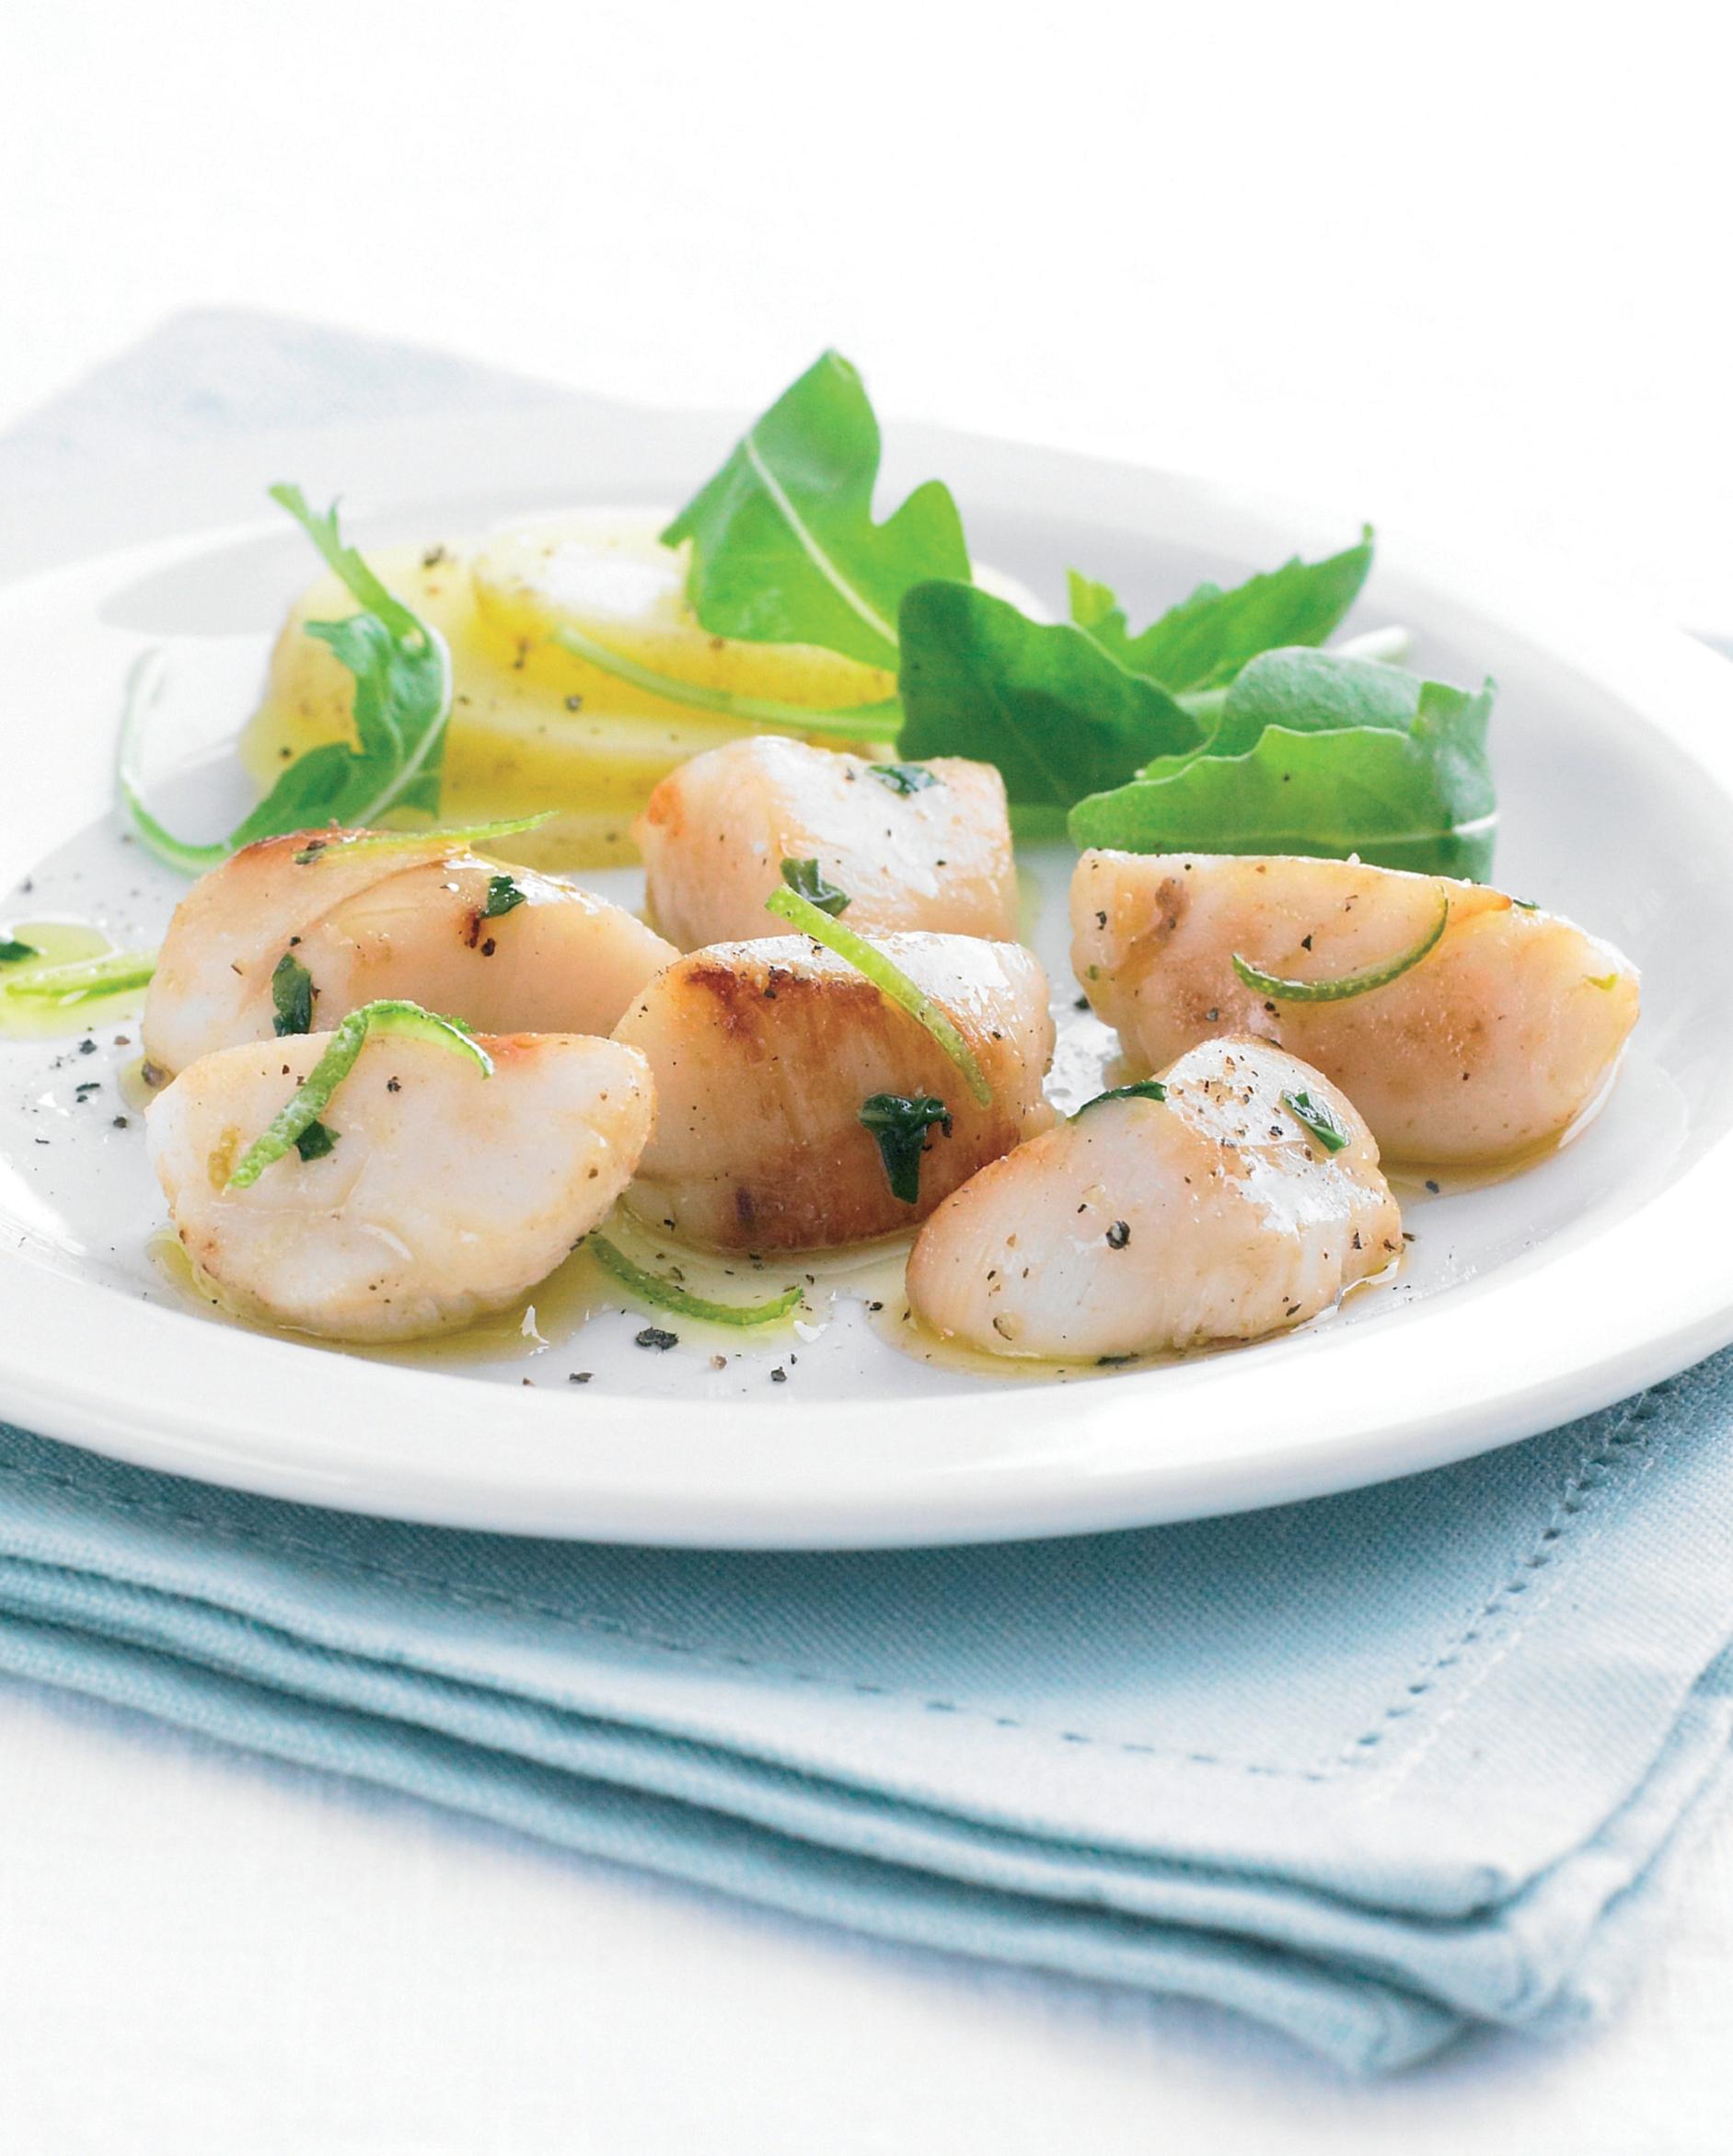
1519,1305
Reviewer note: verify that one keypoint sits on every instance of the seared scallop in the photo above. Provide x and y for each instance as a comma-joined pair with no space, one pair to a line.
1244,1201
441,1194
501,948
1495,1042
913,845
765,1055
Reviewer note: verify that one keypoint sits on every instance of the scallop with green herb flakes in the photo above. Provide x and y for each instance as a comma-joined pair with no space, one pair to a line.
915,845
1465,1026
450,1175
318,922
773,1060
1209,1212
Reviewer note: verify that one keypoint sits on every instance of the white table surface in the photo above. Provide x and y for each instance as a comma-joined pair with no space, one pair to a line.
1467,278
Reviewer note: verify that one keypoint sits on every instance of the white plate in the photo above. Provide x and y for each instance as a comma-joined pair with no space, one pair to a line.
1521,1304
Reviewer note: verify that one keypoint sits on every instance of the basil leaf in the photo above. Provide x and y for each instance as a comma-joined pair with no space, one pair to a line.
1206,639
903,778
1421,800
316,1142
1319,1118
1042,700
804,878
13,953
402,705
503,895
784,548
291,997
900,1123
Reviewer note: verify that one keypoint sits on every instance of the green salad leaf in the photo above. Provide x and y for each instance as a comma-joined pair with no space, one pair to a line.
1313,692
1204,641
1420,798
1042,700
784,548
402,705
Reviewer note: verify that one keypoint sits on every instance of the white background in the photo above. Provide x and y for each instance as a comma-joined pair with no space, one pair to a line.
1462,269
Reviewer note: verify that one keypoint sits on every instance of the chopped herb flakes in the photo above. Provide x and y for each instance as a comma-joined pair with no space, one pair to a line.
292,998
804,878
316,1142
903,778
503,895
1319,1118
900,1123
13,953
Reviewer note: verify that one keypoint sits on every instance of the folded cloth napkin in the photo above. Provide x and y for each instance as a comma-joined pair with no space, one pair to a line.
1370,1768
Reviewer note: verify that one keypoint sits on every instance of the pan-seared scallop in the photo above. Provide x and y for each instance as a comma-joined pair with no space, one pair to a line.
915,846
1492,1044
501,948
1243,1202
764,1054
441,1193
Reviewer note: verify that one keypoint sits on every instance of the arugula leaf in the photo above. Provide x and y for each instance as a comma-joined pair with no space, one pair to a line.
784,548
291,997
402,672
1313,692
900,1123
1205,640
805,879
1042,700
1422,799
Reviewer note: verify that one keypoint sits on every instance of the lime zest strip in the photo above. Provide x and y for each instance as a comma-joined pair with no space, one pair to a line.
854,722
662,1294
1346,984
310,1100
889,980
452,835
82,980
1144,1089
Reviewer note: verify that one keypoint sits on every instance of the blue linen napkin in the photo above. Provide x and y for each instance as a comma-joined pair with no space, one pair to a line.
1370,1768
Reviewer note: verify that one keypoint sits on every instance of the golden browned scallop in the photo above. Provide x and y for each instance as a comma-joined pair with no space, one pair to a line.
501,948
764,1054
915,846
1492,1044
1243,1202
